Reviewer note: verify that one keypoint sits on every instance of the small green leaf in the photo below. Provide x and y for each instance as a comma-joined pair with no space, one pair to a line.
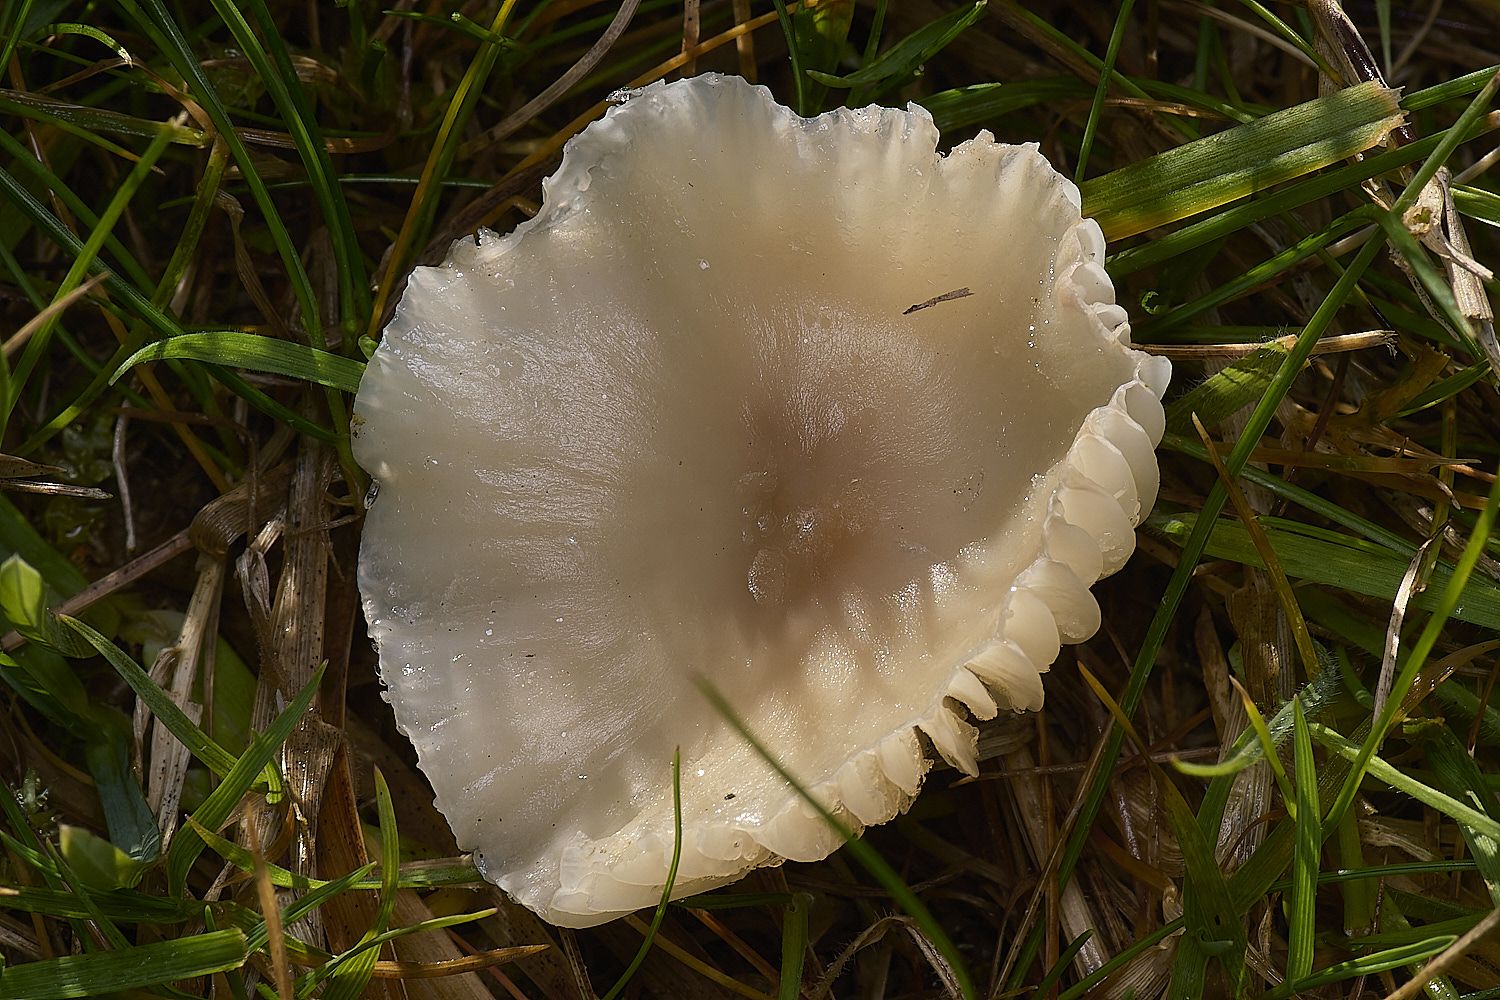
820,32
46,681
233,349
132,825
99,863
25,599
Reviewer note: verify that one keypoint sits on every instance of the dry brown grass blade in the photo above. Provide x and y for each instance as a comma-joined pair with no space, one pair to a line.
456,966
1338,344
1275,574
541,102
292,649
1071,909
434,950
729,937
695,963
193,663
513,925
265,891
340,849
1416,571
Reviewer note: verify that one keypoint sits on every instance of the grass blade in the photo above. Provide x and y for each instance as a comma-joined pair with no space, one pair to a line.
866,855
1221,168
254,353
109,972
1303,897
666,892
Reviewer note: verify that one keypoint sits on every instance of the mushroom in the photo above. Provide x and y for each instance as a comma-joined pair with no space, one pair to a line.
797,405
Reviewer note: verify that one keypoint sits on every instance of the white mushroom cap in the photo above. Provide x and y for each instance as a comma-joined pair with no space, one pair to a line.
684,422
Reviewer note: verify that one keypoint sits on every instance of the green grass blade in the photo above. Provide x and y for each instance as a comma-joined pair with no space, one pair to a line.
1085,986
1434,282
1227,391
1285,31
1230,165
162,706
1417,658
1336,561
390,853
794,945
1477,203
109,972
1380,770
1064,961
238,777
349,973
1359,893
82,264
86,123
1091,127
88,31
23,159
297,115
157,22
666,891
1303,498
216,809
423,209
1368,965
270,407
1472,114
242,859
123,906
1236,218
909,53
13,19
1157,328
1213,922
310,900
984,102
1460,776
1197,540
253,352
1302,901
